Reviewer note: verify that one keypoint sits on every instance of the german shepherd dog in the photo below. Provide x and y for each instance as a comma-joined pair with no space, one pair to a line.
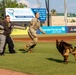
65,48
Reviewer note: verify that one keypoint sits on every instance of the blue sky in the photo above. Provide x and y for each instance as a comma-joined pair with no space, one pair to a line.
54,4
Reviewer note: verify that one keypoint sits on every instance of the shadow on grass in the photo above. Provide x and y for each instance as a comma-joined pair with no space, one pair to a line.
56,60
22,50
10,53
7,52
60,61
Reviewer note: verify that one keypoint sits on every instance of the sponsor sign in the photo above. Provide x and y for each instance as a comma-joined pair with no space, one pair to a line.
20,32
25,14
54,29
71,29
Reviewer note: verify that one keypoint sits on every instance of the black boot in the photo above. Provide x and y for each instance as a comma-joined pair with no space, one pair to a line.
1,54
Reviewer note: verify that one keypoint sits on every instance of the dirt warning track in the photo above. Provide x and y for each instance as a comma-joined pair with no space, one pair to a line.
47,39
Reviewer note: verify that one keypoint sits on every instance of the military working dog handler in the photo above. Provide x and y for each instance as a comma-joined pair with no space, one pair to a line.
33,27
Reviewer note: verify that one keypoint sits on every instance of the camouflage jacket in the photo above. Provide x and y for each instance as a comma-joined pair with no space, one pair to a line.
35,24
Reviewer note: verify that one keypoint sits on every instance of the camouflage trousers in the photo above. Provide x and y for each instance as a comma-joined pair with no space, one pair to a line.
33,35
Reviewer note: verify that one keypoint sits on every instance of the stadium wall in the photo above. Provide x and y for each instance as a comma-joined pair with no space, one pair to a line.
48,30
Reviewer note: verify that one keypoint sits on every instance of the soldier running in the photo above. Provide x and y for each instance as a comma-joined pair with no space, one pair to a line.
35,24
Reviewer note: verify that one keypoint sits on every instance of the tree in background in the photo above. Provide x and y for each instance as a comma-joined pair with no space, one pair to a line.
53,12
9,4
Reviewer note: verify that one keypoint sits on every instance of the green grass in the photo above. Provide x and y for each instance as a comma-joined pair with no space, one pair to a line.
44,35
45,60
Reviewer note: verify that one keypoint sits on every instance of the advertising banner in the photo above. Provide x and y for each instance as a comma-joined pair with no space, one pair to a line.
71,29
25,14
47,29
54,29
19,32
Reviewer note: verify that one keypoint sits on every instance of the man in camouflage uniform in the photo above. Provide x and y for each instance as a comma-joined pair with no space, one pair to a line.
35,24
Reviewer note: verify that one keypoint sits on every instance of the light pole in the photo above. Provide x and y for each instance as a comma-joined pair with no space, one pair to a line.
47,7
65,12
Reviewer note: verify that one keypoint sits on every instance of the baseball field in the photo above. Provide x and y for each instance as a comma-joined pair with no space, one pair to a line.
45,60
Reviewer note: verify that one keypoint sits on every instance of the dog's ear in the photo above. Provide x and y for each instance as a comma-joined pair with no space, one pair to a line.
62,40
57,44
56,40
